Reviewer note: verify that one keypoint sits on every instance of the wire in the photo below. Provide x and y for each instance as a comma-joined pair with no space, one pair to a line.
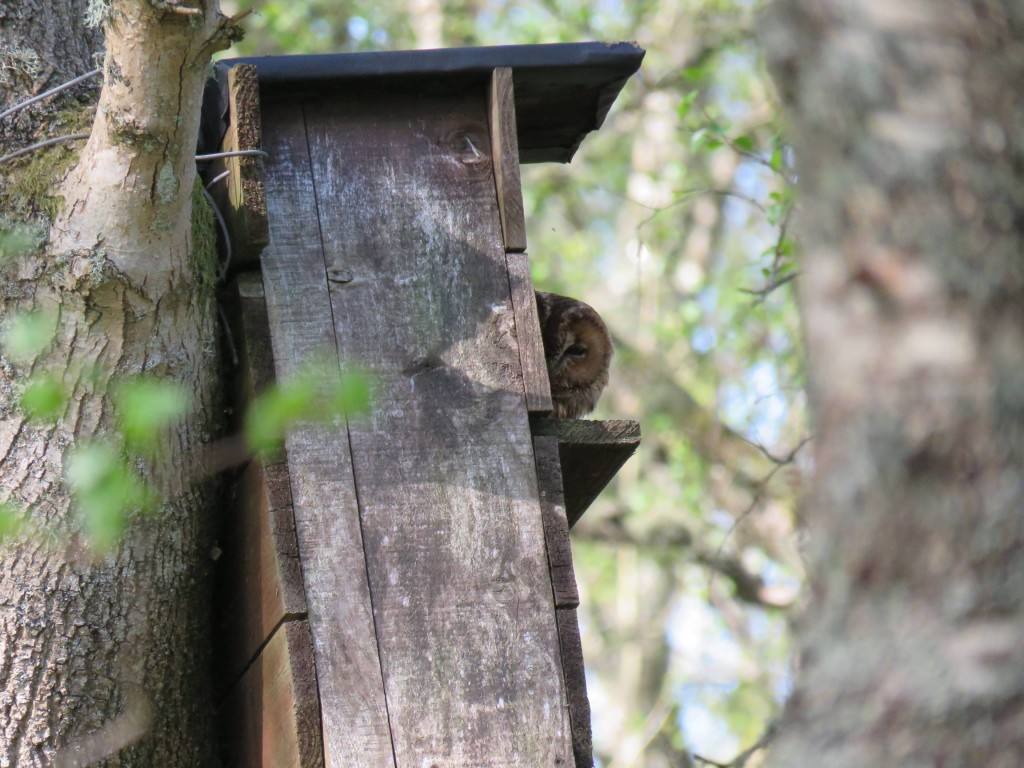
50,92
41,144
237,153
223,229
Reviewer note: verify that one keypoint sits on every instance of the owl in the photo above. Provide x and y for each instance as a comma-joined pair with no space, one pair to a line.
578,349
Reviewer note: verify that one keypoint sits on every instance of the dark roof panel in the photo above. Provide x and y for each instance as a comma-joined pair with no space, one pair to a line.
563,90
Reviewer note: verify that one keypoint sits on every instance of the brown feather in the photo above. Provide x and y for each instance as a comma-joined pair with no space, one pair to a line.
578,351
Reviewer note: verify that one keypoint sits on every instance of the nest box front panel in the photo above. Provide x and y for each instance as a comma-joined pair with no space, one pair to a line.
414,289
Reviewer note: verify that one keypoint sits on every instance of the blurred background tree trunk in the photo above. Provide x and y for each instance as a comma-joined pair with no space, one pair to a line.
909,140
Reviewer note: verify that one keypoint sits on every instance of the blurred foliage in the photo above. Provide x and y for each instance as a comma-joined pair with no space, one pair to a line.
672,221
315,392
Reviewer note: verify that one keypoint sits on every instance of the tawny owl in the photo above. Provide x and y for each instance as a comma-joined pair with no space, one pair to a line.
578,350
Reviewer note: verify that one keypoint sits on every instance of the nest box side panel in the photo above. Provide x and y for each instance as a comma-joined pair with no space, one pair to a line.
353,710
444,464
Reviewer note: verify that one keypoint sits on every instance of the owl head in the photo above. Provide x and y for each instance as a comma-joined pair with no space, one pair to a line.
578,350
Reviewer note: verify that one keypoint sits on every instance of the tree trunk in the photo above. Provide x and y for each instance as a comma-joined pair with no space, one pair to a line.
907,123
99,654
43,43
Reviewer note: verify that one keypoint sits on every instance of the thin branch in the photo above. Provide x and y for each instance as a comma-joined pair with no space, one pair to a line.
740,761
41,144
762,293
758,494
774,279
51,92
654,721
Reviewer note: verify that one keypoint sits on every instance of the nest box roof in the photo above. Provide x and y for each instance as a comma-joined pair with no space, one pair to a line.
562,90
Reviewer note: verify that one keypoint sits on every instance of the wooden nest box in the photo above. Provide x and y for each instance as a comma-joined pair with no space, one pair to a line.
398,592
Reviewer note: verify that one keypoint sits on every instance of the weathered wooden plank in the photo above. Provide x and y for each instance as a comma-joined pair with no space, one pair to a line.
261,581
556,526
592,452
246,209
444,464
272,716
576,687
531,345
251,335
505,154
326,512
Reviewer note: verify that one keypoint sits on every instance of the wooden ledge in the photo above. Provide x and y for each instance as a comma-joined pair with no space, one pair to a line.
591,453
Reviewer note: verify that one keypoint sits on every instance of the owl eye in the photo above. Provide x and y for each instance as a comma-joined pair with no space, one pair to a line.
576,350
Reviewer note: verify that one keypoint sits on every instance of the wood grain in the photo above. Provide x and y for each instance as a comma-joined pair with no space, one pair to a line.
246,203
444,464
505,154
531,345
556,526
272,716
591,452
576,687
355,720
259,580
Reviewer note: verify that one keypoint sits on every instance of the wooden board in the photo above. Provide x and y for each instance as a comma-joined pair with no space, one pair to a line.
444,465
531,344
591,452
505,154
556,526
272,716
327,524
246,208
260,582
576,688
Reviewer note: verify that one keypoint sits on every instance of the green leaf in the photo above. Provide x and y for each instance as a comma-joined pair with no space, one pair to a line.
744,143
351,395
274,411
686,103
145,406
106,490
316,393
776,161
28,334
694,73
44,398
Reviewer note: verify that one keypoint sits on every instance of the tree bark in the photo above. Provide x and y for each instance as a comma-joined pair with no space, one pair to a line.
43,43
109,658
907,124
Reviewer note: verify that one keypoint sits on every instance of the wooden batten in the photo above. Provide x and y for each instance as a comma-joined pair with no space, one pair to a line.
566,596
574,674
241,197
272,716
556,526
260,580
591,453
531,345
505,156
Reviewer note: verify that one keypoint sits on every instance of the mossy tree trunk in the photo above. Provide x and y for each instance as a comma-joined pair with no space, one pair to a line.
909,137
108,658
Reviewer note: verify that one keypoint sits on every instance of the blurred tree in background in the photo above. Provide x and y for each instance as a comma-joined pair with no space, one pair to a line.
672,222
